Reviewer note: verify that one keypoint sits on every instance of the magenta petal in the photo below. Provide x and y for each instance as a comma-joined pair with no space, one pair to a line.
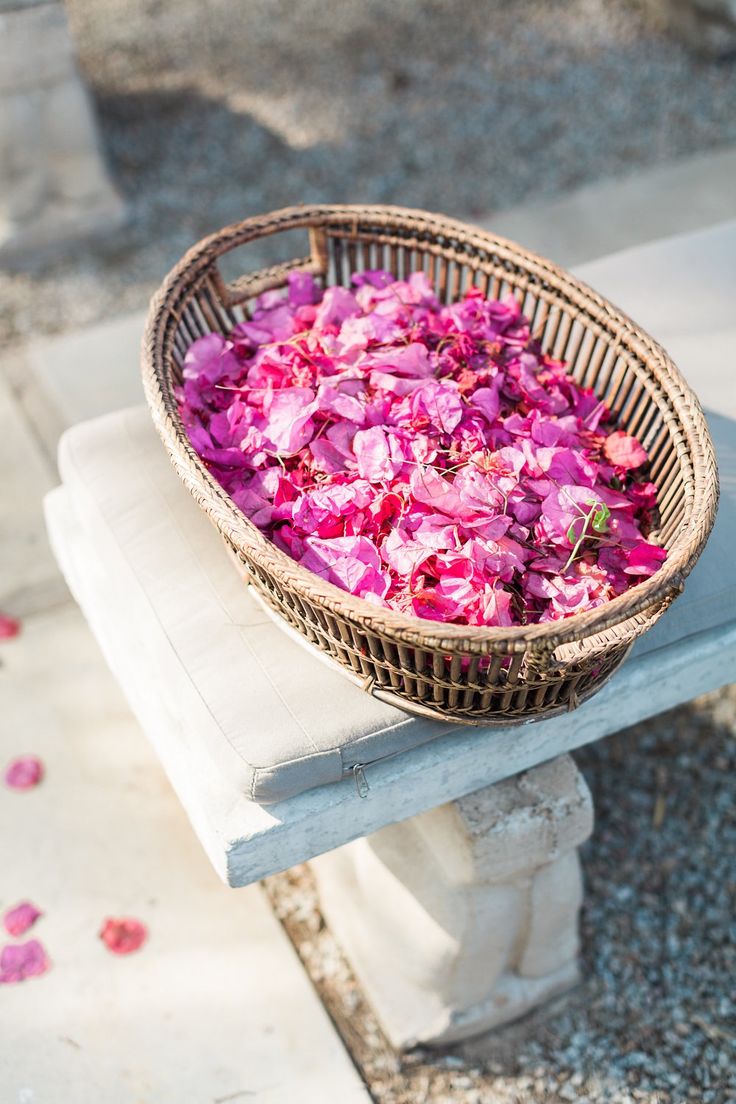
289,425
624,451
644,559
378,458
303,289
24,772
432,604
19,919
337,304
9,627
488,401
19,961
123,935
352,563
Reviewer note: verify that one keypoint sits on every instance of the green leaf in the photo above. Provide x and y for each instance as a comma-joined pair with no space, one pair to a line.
600,517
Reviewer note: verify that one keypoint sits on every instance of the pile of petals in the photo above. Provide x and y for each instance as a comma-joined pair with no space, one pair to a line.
427,458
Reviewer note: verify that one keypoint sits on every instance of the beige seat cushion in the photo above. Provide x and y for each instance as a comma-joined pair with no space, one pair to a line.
285,721
288,722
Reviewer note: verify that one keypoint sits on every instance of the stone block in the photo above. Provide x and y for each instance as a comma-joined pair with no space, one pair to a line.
464,918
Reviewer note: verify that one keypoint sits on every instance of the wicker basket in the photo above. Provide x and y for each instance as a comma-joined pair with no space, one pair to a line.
468,674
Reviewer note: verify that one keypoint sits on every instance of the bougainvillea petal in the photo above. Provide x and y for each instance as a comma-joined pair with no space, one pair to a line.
644,559
123,934
9,627
379,460
20,918
19,961
425,457
624,451
289,427
24,773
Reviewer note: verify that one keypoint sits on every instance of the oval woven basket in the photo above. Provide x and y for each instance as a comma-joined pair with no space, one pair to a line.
467,674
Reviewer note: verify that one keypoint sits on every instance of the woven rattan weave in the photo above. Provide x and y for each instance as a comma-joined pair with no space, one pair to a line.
468,674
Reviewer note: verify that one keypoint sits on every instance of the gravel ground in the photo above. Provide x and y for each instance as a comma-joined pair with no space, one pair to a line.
655,1018
211,111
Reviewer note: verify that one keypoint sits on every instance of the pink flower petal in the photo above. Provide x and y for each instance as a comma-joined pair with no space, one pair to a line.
9,627
440,403
624,451
644,559
432,604
19,919
407,360
19,961
402,554
494,607
352,563
488,401
24,773
378,455
123,935
289,426
302,289
337,304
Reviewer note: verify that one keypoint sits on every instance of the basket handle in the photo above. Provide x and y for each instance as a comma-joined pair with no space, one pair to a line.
247,287
651,610
406,706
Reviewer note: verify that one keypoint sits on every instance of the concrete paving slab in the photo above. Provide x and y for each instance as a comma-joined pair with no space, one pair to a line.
29,577
90,371
682,292
622,212
215,1005
69,377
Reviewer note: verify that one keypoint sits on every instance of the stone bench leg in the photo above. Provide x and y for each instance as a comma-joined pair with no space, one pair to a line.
465,917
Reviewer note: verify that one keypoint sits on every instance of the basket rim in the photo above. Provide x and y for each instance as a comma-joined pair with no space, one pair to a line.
700,505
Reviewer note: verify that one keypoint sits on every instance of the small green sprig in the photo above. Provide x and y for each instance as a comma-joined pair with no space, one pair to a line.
597,518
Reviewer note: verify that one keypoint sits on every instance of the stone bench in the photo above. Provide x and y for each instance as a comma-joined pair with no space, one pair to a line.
457,903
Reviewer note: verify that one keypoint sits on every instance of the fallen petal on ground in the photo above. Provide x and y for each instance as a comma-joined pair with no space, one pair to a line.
123,934
20,918
19,961
9,627
23,773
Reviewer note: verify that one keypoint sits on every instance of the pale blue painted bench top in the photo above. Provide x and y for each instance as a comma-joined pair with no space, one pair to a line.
275,725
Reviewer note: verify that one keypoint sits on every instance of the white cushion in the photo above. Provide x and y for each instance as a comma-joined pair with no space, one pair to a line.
285,721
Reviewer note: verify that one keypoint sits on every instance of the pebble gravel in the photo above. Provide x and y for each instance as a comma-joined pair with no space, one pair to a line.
211,111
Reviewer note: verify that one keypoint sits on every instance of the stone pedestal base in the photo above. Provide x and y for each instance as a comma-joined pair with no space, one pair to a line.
54,187
465,918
